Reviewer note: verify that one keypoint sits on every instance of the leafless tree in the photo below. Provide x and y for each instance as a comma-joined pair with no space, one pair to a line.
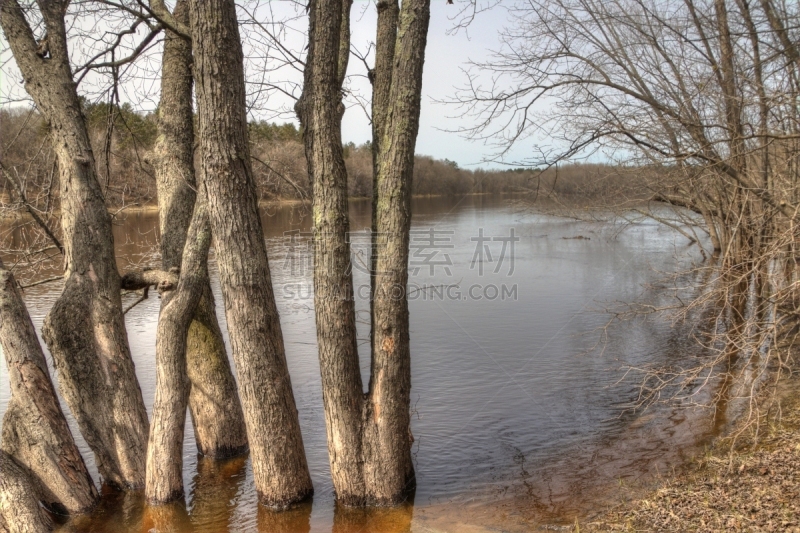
85,330
369,435
702,91
273,429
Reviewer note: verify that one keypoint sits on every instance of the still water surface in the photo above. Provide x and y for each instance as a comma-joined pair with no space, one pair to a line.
517,410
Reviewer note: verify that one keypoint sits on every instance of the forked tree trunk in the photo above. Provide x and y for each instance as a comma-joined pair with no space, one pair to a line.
35,431
213,400
273,429
85,329
369,438
19,500
388,469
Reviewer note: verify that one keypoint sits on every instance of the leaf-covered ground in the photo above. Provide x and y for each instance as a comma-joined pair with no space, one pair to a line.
755,490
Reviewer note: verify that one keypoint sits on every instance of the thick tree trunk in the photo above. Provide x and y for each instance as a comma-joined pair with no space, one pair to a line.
19,500
219,427
320,111
35,431
369,438
213,400
273,428
388,469
85,329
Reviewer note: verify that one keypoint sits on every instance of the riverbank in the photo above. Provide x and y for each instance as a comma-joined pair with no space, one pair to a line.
751,489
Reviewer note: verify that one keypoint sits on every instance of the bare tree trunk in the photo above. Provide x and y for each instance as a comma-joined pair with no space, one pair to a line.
219,426
165,449
85,329
35,431
19,501
273,428
388,469
320,110
213,400
369,438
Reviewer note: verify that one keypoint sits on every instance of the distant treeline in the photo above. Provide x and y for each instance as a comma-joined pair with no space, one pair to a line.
123,140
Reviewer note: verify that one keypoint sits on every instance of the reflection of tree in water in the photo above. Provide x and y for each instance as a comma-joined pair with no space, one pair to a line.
214,487
383,519
295,520
117,511
168,518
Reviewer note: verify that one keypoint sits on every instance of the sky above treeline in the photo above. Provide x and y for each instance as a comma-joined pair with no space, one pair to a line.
449,52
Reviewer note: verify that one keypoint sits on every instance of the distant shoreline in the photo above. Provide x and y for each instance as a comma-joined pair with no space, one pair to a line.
153,207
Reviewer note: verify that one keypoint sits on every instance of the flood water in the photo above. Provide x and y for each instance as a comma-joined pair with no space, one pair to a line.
517,398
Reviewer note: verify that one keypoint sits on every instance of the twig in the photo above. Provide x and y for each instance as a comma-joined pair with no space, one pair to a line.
41,282
145,294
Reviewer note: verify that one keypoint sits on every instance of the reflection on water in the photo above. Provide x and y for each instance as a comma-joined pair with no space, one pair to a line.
517,414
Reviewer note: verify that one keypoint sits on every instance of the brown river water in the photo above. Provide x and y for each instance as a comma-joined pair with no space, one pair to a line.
518,399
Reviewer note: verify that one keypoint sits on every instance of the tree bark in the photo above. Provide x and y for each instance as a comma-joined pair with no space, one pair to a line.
213,401
164,481
85,329
273,428
320,111
35,431
369,438
19,500
388,468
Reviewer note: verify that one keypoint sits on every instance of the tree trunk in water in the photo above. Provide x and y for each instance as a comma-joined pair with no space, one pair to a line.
35,431
165,449
85,329
320,111
19,500
273,428
213,400
388,469
369,438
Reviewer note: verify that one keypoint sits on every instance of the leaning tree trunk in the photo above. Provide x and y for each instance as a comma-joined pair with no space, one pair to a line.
273,428
85,329
369,438
213,401
165,449
35,431
19,500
